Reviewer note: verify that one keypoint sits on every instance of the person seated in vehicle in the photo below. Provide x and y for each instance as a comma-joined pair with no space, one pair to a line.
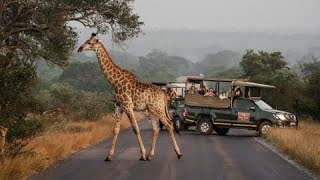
173,93
211,93
202,90
238,93
223,95
193,89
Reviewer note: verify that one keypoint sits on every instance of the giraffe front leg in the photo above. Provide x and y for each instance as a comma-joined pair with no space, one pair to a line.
136,130
156,129
116,130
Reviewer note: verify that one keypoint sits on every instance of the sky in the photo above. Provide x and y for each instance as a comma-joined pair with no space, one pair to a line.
230,15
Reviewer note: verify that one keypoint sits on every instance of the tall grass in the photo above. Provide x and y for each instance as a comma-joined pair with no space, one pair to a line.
56,143
302,145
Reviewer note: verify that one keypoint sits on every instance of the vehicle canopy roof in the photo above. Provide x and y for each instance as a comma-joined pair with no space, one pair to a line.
159,83
234,82
251,84
197,79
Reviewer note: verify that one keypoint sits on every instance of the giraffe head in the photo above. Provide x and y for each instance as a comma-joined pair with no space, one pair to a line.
90,44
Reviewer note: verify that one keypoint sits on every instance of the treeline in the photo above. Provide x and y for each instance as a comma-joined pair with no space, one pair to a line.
296,86
41,30
296,91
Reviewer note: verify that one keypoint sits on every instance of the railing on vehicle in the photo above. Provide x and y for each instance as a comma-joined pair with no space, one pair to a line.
206,101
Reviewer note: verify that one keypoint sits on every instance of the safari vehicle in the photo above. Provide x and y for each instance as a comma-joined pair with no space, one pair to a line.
210,113
162,85
176,103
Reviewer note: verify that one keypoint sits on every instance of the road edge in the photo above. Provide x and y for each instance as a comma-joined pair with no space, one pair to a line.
285,157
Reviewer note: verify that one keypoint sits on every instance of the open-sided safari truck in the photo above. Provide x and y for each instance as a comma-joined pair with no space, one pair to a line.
176,93
245,111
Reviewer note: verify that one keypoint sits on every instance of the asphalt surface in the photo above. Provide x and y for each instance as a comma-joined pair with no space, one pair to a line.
234,156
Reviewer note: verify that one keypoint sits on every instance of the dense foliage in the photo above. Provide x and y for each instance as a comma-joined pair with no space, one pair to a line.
293,93
41,30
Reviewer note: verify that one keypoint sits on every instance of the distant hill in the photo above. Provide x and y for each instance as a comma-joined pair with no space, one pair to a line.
125,60
218,62
195,45
155,66
122,59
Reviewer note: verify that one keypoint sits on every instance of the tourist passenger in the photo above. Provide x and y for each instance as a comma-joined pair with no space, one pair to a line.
211,93
238,93
223,95
202,90
173,93
193,89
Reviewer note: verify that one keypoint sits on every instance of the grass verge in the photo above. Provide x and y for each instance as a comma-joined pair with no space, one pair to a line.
302,145
56,143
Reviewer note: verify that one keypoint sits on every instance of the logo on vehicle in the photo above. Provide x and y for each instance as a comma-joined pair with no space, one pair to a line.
243,116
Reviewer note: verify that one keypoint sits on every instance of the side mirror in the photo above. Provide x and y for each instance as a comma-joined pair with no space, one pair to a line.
252,108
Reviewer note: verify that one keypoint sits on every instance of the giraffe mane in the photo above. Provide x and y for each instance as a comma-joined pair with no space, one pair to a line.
122,69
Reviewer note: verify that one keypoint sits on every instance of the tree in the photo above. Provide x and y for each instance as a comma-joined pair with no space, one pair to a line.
269,68
214,64
159,66
258,66
32,30
310,104
92,80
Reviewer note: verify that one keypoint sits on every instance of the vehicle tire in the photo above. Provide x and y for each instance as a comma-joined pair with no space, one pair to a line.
205,127
264,128
178,123
221,131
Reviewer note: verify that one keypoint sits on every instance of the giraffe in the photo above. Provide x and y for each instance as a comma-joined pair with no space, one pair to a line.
132,95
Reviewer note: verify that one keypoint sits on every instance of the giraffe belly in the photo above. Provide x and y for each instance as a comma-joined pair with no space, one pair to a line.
140,107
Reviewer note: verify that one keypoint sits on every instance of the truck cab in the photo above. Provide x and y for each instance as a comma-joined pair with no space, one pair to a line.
246,110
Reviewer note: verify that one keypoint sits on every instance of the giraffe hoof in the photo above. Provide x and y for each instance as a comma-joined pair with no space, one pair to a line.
179,156
143,159
149,158
108,159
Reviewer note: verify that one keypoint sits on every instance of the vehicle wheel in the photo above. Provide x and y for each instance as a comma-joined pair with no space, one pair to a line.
205,127
264,128
178,123
221,131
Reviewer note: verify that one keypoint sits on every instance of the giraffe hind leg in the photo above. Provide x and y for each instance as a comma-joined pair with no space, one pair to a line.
116,130
169,125
156,129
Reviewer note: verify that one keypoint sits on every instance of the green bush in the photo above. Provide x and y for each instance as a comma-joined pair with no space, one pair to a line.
16,101
91,106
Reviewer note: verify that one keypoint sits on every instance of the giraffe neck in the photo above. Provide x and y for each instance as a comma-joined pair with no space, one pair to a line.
111,71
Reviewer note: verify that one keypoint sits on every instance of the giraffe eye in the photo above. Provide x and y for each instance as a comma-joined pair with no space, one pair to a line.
89,43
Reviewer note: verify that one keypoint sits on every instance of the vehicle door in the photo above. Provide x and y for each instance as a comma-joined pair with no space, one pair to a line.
244,111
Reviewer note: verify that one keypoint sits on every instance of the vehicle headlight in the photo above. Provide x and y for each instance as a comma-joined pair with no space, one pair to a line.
279,116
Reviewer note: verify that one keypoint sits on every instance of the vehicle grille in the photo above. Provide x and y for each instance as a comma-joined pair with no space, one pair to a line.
290,117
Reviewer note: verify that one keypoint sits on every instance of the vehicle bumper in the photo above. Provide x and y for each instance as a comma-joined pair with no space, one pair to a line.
287,123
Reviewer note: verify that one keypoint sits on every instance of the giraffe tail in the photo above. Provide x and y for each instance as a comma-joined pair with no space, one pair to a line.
170,121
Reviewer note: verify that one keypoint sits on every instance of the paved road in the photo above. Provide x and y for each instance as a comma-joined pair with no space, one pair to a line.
236,156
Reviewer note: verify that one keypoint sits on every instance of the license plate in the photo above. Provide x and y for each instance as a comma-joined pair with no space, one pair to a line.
292,123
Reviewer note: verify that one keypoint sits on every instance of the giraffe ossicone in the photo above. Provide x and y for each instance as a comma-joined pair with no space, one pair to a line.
132,95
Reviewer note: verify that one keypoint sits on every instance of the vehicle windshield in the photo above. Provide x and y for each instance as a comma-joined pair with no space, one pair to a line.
262,105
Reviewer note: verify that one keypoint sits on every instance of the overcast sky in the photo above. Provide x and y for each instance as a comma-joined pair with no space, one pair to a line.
270,15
